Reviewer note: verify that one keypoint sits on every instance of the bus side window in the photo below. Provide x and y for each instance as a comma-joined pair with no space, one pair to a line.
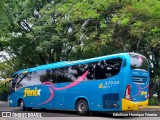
48,76
91,74
99,73
64,74
31,78
18,79
112,67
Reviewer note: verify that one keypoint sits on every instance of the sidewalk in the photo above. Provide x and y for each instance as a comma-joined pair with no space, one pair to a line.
157,107
152,108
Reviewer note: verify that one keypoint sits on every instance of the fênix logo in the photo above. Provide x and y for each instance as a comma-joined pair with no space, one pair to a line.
143,93
32,92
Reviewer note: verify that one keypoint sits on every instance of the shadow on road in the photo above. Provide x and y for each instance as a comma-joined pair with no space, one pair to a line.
63,113
60,113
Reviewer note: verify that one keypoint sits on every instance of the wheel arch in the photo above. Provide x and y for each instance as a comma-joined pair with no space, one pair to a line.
81,98
19,100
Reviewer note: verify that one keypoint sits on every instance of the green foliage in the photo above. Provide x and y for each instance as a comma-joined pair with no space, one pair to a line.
46,31
3,89
154,101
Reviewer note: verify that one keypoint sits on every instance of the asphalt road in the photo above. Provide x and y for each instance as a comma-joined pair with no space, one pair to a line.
59,115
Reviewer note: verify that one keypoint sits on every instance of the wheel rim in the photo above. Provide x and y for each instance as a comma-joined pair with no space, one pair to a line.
82,107
21,105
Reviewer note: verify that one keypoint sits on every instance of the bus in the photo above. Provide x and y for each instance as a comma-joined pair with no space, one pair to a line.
117,82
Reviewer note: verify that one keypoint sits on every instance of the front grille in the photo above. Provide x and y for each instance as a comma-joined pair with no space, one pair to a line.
138,79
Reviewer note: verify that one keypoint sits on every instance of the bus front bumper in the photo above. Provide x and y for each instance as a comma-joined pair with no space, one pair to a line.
130,105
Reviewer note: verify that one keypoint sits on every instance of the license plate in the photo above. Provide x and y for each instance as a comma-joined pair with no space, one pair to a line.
140,107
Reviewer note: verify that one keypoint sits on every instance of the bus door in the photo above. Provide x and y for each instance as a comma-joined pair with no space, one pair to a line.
21,91
11,90
11,87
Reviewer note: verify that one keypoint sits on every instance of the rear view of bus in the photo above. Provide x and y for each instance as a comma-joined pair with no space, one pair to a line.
137,89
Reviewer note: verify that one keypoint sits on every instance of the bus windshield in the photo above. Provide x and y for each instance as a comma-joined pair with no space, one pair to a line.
138,62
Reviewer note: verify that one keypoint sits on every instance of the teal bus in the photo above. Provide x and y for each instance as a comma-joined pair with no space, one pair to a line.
117,82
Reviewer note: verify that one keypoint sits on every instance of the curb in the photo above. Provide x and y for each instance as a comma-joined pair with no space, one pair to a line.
153,107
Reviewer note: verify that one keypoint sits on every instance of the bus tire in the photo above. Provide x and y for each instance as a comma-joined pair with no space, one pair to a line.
22,106
82,107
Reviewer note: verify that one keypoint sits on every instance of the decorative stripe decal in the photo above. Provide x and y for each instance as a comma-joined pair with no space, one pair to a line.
145,86
50,98
139,88
73,83
138,91
80,79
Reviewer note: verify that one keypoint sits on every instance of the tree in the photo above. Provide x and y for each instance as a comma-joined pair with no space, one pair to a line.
3,91
47,31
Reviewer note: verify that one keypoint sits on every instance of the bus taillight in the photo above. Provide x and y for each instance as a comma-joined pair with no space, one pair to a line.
128,92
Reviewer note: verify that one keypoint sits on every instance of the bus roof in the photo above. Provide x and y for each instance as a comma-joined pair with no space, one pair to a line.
68,63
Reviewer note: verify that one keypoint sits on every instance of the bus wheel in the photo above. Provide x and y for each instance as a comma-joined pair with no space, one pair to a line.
82,107
21,105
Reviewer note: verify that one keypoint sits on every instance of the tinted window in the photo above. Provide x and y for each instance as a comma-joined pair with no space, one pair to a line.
138,62
48,75
28,79
96,71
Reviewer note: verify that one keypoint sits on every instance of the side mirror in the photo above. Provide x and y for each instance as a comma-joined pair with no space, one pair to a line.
7,80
